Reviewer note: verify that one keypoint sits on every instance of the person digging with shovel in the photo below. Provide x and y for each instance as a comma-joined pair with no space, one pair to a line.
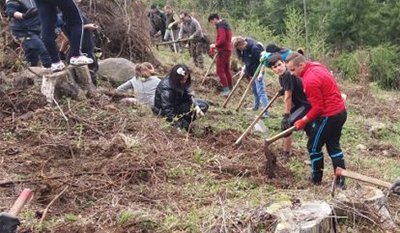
328,114
296,104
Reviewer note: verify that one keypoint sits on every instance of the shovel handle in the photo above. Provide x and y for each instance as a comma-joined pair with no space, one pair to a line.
255,75
234,88
257,118
23,198
280,135
343,172
209,68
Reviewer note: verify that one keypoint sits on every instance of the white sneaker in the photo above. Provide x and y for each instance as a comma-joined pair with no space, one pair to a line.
57,66
81,60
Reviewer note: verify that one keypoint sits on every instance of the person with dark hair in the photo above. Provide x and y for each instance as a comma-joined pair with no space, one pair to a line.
191,28
271,49
48,17
25,27
223,44
249,51
296,104
174,98
328,114
157,21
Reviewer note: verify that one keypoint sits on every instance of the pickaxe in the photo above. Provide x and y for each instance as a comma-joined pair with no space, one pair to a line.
234,88
209,68
9,221
257,118
173,42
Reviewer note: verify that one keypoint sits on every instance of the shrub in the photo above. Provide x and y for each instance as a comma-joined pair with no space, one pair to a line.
353,65
385,65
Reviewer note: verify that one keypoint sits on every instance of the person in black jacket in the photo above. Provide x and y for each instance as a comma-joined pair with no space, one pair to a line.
174,99
25,27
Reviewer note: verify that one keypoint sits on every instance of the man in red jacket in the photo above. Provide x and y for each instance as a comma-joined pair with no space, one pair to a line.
223,44
327,114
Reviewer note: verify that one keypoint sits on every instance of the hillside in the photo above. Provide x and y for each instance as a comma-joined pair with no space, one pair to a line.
120,169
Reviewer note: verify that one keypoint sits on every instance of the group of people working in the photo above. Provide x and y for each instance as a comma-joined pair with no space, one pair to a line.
312,98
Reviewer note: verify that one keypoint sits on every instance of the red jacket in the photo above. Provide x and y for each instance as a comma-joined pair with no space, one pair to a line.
224,36
322,91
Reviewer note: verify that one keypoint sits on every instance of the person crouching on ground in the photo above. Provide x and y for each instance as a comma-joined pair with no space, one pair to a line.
174,99
328,112
144,84
296,104
249,51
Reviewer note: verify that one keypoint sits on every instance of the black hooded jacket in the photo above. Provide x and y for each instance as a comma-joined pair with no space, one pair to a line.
171,99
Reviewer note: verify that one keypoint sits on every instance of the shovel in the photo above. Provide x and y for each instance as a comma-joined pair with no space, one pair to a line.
173,39
258,117
209,68
9,221
249,85
234,88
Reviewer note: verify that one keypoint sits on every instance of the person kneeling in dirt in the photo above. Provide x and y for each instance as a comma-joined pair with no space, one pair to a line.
328,112
296,104
174,99
25,27
144,84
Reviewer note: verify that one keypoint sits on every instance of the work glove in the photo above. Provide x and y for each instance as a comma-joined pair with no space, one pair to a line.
281,92
8,223
396,187
199,112
264,56
285,124
157,34
300,124
30,13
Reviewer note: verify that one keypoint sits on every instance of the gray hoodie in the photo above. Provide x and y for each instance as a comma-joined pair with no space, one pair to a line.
144,89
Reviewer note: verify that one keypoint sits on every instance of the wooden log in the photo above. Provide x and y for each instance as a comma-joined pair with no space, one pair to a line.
307,217
74,82
366,203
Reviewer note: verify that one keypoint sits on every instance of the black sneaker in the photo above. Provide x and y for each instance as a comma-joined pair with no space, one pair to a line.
314,182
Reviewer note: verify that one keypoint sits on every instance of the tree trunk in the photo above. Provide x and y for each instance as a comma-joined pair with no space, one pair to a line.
74,82
368,203
308,217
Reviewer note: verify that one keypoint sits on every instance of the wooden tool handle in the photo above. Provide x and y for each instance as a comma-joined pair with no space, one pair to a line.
209,68
23,198
280,135
342,172
255,75
234,88
257,118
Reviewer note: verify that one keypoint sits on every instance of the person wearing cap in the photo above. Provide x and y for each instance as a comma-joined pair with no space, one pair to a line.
223,44
25,27
191,29
249,51
144,84
296,105
328,114
158,22
174,99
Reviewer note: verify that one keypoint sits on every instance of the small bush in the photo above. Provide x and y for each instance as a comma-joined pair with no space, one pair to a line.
353,65
385,65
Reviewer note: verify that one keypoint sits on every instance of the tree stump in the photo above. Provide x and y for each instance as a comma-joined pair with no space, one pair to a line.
308,217
74,82
365,202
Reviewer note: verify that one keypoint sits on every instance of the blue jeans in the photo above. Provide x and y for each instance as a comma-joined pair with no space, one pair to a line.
260,96
34,49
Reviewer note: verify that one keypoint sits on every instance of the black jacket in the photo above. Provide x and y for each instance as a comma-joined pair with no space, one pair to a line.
22,27
171,101
251,55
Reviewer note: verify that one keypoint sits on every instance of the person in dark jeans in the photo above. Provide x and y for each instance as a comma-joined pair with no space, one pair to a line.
48,16
296,105
328,114
25,27
174,99
88,41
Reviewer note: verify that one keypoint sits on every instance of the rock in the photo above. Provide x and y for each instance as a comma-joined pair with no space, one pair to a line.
361,147
260,127
375,127
116,70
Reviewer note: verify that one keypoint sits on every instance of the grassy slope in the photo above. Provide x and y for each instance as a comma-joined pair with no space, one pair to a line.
200,182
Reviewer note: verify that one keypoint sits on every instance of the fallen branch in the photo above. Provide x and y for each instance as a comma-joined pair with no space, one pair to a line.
51,203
